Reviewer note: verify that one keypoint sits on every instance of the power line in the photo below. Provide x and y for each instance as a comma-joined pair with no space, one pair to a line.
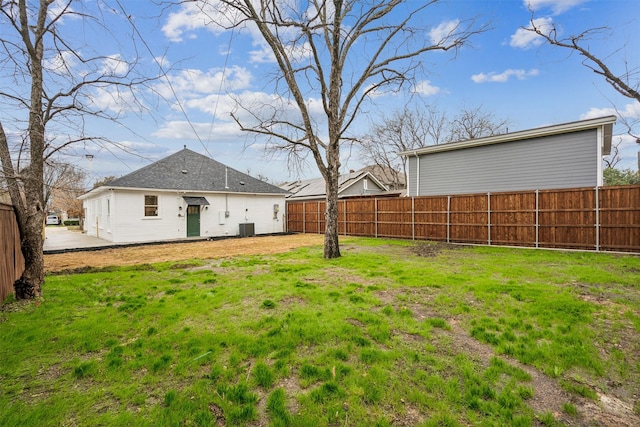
164,74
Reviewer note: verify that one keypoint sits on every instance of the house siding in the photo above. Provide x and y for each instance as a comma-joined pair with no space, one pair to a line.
357,189
558,161
126,223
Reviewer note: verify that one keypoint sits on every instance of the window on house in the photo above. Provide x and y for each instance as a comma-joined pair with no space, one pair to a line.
150,205
365,184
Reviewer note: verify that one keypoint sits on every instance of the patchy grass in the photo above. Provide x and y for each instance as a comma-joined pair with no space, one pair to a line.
382,336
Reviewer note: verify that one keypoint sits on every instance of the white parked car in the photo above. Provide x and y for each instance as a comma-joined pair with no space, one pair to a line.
53,220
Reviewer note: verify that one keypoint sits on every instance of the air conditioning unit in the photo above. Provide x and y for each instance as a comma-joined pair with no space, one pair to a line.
247,229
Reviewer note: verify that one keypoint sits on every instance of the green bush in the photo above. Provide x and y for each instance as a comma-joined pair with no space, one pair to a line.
71,222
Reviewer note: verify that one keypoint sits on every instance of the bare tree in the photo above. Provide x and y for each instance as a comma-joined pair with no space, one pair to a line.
339,52
625,81
63,184
411,129
405,130
475,122
49,101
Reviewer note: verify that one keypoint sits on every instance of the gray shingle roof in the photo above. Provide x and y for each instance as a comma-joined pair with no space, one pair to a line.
187,170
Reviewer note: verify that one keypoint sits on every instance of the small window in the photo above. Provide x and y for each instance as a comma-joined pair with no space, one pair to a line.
150,205
365,184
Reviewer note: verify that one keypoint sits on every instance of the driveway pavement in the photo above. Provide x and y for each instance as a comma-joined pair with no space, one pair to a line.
60,238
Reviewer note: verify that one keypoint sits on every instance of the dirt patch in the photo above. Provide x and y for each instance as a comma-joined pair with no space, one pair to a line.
430,249
136,255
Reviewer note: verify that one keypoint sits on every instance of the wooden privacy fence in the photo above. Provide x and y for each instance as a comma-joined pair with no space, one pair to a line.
11,260
600,219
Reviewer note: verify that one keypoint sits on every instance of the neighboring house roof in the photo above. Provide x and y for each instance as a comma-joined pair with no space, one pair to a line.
607,122
389,177
316,187
189,171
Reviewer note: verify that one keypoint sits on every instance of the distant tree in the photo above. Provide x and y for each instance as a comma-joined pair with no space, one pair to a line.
63,184
475,122
411,129
338,53
613,176
104,181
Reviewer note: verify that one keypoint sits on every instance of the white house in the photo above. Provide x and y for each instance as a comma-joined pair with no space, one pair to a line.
183,195
567,155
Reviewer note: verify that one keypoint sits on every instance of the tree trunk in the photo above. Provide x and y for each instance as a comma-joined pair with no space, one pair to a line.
331,245
29,285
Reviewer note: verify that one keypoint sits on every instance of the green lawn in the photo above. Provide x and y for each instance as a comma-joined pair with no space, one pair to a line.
373,338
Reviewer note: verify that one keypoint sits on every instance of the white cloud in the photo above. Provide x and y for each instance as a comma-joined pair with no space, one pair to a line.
62,63
193,83
444,32
504,76
61,7
114,65
425,88
113,100
627,151
630,111
524,39
557,6
185,130
191,16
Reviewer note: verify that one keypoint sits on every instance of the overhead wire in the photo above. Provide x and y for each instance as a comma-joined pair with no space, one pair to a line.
164,74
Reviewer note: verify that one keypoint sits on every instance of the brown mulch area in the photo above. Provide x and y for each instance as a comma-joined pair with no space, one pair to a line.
204,249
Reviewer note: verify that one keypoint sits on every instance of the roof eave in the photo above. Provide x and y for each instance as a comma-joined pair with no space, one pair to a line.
515,136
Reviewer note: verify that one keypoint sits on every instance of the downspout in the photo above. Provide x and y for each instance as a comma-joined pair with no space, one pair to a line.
415,153
600,143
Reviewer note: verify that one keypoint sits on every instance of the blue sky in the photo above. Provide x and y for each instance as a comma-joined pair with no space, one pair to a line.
504,69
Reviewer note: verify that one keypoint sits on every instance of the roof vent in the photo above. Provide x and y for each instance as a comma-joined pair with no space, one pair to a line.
184,171
241,182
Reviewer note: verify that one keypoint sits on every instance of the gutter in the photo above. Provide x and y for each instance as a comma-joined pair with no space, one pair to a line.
517,136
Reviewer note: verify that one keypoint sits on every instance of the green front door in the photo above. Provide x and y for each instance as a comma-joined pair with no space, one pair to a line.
193,221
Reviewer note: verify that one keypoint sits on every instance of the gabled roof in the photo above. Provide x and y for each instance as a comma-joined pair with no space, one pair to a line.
189,171
316,187
386,175
606,123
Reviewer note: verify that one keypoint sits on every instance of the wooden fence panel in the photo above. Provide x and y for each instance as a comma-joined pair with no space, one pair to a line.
469,218
605,218
313,217
295,217
619,209
359,218
394,218
431,217
11,260
567,218
513,219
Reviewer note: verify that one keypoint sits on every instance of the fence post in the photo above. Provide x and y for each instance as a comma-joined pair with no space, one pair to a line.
597,220
448,219
318,217
344,204
489,218
537,221
413,218
375,213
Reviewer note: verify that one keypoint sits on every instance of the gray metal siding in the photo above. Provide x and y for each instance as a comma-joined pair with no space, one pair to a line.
559,161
